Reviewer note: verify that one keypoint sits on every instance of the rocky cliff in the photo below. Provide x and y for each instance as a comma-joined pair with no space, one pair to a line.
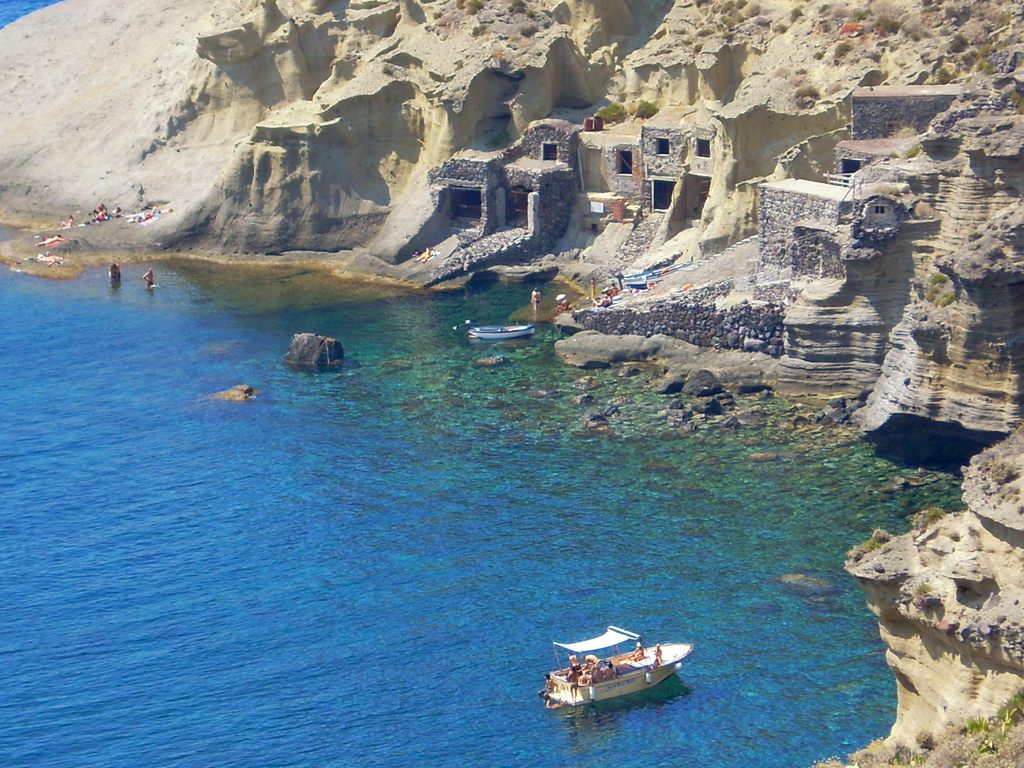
952,373
949,597
274,125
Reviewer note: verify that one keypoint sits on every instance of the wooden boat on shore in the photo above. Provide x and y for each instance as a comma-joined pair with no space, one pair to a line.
501,332
588,677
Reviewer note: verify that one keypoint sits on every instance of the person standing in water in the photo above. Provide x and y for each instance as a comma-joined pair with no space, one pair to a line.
535,299
149,279
115,272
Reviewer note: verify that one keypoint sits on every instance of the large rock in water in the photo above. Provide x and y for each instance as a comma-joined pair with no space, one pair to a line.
310,350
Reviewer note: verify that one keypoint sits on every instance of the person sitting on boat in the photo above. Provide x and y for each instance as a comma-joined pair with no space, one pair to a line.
639,654
586,677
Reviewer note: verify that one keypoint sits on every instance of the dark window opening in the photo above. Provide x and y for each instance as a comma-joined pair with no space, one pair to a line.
661,195
849,165
549,152
518,202
703,147
466,203
880,210
661,146
625,162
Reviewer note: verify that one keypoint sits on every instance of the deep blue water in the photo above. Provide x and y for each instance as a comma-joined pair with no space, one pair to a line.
15,9
367,567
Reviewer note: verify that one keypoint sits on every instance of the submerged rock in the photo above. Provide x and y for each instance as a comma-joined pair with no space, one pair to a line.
237,392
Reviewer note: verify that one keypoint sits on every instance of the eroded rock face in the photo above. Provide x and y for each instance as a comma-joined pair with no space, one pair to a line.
952,378
292,125
949,597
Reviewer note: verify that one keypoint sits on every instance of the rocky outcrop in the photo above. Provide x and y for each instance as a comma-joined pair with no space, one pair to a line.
310,350
678,359
948,596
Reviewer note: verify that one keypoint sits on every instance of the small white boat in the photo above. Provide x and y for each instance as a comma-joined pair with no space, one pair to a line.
500,332
590,677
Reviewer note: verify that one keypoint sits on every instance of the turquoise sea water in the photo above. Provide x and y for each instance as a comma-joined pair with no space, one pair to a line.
367,567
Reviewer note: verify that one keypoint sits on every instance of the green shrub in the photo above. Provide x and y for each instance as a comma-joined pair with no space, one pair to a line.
807,96
943,76
646,109
1002,472
612,113
937,279
927,516
842,49
795,14
959,43
973,725
478,30
528,30
387,70
887,24
860,14
474,7
517,6
780,29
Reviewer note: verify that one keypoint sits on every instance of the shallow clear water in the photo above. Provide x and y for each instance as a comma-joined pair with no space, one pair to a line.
367,567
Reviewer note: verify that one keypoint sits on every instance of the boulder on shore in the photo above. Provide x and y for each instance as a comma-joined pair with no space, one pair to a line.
310,350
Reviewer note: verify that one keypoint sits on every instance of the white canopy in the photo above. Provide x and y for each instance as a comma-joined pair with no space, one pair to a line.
613,636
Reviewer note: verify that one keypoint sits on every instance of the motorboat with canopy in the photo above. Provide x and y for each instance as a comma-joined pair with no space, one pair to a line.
590,675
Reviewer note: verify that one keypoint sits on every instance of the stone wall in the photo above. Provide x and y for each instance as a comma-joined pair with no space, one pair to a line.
668,166
694,318
563,134
556,190
879,116
783,214
627,185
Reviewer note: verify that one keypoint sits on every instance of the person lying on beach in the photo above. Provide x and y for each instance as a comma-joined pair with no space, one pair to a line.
50,259
54,240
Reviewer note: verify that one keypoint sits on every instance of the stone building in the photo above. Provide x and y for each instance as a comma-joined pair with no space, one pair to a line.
613,161
531,185
678,164
801,225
